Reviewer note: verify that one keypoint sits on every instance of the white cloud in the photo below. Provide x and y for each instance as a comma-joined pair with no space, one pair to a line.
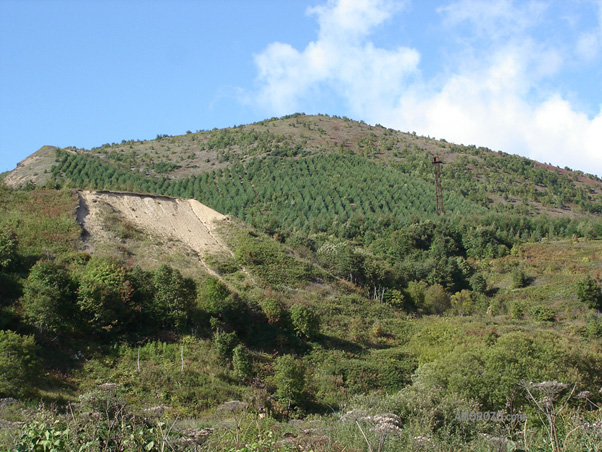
493,19
499,94
589,44
341,60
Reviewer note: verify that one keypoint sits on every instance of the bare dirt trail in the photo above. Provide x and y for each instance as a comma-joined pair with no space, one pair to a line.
184,220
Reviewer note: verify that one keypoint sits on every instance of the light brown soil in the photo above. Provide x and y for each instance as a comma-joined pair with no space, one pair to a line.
163,218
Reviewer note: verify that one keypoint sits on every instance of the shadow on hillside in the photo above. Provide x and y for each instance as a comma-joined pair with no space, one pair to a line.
331,342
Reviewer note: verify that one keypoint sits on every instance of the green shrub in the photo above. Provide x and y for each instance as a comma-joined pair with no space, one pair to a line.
542,314
224,344
519,279
105,295
49,298
37,436
233,313
8,247
270,261
19,364
436,299
417,292
462,302
212,292
305,321
517,310
272,309
397,299
594,327
589,291
478,283
289,379
174,297
241,362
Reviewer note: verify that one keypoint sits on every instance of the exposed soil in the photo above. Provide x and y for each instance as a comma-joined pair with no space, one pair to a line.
161,217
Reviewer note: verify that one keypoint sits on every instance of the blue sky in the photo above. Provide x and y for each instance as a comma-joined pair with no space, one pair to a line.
523,76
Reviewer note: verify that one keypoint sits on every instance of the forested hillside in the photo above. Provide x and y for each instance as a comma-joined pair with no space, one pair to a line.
338,312
495,180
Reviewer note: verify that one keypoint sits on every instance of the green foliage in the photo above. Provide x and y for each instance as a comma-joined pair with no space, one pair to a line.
19,364
115,428
271,262
8,246
491,373
396,299
289,380
39,437
478,283
173,297
105,295
241,362
517,310
231,312
49,298
462,302
589,291
212,292
417,293
519,279
305,321
225,343
273,310
542,313
436,299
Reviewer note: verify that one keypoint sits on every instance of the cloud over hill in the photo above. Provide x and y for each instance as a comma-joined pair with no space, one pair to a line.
499,80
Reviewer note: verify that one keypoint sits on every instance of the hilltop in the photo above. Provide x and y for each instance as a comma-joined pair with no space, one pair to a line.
275,164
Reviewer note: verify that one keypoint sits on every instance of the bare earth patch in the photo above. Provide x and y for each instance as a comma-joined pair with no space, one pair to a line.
167,219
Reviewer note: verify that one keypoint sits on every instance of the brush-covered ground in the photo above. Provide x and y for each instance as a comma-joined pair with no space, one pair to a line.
301,341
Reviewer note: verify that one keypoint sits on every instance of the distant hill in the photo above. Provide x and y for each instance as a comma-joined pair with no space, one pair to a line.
320,173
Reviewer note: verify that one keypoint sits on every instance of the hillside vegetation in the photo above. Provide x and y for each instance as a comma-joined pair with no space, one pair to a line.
334,311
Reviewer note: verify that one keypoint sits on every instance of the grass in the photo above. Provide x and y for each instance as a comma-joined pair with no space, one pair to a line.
368,355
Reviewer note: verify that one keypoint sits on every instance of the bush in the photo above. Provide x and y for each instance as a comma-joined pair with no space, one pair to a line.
289,379
436,300
225,344
174,297
272,309
212,292
104,295
517,310
589,291
305,321
416,292
478,283
462,302
19,364
519,279
49,298
396,299
241,362
233,313
8,247
542,314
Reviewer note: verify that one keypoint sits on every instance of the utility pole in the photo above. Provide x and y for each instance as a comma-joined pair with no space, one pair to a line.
438,191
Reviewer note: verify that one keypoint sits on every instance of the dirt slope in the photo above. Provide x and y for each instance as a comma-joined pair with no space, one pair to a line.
184,220
35,168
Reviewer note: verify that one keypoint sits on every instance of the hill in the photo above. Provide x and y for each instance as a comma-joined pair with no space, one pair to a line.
352,317
277,171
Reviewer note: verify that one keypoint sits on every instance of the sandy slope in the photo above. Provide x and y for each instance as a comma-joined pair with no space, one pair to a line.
185,220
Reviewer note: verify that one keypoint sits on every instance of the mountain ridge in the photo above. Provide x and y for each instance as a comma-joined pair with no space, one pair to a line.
217,166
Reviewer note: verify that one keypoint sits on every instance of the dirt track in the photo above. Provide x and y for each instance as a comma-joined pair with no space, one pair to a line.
185,220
